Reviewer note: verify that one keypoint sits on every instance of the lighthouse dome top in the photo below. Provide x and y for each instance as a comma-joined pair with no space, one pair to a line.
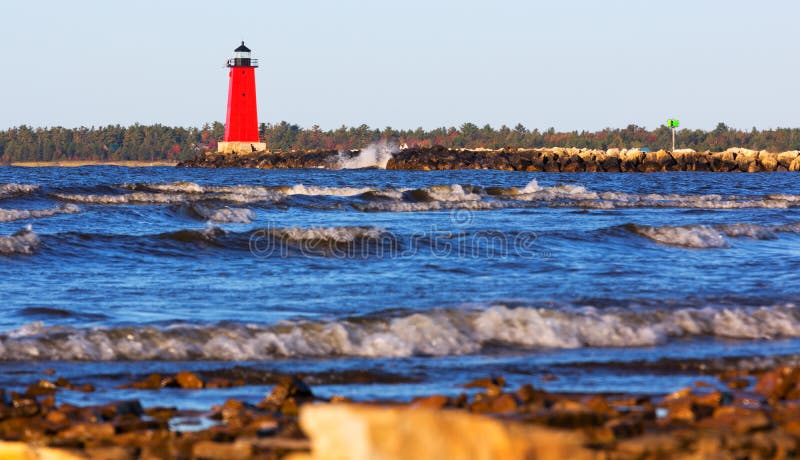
241,57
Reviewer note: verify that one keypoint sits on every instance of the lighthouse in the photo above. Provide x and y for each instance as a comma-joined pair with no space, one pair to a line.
241,123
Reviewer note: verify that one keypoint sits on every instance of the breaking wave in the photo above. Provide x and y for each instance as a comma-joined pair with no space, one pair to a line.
709,236
435,333
9,215
223,214
375,155
21,242
432,198
9,190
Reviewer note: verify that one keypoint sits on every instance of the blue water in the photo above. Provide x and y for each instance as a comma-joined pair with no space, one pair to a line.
609,282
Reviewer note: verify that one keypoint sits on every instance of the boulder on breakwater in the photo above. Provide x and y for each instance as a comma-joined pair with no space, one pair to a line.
542,159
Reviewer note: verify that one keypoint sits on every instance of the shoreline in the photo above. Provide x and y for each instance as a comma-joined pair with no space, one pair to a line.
742,415
531,160
80,163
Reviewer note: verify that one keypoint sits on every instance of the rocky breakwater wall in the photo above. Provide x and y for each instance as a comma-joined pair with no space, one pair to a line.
586,160
266,160
545,159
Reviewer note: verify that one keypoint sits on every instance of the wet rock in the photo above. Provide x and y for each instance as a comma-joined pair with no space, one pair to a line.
120,408
22,405
188,381
287,387
41,388
486,383
152,382
778,383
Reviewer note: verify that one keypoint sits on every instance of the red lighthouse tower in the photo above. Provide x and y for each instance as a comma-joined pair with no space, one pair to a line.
241,123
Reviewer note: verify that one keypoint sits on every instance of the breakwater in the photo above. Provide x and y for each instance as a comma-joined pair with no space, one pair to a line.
545,159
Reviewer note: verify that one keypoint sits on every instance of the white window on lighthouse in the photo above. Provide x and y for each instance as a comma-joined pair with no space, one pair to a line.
241,55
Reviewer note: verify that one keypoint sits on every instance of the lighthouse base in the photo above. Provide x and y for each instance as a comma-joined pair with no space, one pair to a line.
241,147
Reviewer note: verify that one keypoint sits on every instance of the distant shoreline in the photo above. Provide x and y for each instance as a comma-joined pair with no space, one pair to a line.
78,163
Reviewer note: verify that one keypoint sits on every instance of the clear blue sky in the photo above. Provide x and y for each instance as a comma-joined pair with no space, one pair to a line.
570,64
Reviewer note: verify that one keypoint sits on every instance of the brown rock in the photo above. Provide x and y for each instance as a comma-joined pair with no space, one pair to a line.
120,408
111,453
599,405
222,451
88,431
504,403
679,410
219,383
486,383
777,383
527,394
188,381
431,402
768,160
740,420
42,388
287,386
152,382
625,427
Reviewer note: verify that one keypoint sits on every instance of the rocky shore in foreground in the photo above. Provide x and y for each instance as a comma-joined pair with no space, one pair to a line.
546,159
743,415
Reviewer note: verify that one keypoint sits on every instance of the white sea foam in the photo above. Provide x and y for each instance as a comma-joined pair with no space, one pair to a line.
330,234
438,332
398,199
710,236
375,155
128,198
224,214
9,215
698,236
312,190
8,190
21,242
405,206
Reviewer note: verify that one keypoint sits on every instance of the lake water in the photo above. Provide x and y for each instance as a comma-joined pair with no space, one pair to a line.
390,284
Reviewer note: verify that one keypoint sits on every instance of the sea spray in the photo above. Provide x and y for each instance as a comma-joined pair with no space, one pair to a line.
375,155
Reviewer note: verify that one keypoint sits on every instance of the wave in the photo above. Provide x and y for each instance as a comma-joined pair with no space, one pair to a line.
10,190
432,198
223,214
21,242
187,192
9,215
709,236
375,155
434,333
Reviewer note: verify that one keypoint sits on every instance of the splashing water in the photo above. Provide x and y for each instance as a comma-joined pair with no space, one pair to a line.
375,155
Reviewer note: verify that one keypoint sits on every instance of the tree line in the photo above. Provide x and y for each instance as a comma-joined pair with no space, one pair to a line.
158,142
